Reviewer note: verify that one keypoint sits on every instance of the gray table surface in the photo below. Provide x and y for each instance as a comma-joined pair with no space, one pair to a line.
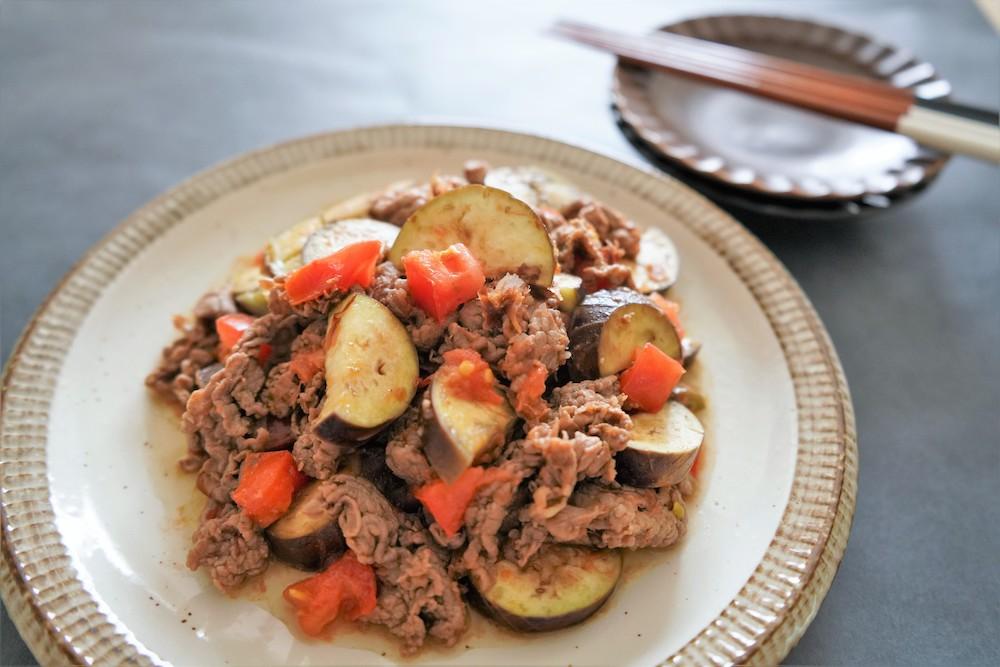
104,104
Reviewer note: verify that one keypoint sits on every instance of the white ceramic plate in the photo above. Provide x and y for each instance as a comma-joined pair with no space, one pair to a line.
97,519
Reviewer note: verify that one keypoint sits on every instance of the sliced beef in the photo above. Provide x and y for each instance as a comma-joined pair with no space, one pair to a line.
469,332
607,518
475,171
229,414
181,362
395,206
577,244
612,227
390,289
565,460
594,407
551,218
591,243
317,457
513,330
404,452
230,546
487,517
396,490
602,275
176,376
417,596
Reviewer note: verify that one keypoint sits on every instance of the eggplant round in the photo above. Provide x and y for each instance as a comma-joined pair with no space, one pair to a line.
560,586
503,233
333,237
610,325
244,280
308,536
371,368
657,265
533,185
570,291
663,447
461,431
691,399
283,253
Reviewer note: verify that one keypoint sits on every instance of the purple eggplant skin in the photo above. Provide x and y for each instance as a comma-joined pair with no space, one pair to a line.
646,471
332,428
307,536
527,601
609,325
542,624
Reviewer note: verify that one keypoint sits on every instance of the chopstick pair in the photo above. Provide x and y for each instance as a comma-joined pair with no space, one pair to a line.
947,126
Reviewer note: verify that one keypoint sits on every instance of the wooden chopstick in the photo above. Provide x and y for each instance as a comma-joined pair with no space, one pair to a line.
762,60
947,126
866,106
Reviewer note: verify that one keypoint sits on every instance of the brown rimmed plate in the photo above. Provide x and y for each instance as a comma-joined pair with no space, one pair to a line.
773,150
96,520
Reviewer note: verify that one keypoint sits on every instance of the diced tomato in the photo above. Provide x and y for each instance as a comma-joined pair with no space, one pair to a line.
353,264
441,281
671,309
306,363
447,502
651,377
230,329
530,390
470,377
268,481
346,588
264,353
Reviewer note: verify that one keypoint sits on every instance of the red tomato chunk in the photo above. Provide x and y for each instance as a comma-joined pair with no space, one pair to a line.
268,481
651,377
346,588
352,265
441,281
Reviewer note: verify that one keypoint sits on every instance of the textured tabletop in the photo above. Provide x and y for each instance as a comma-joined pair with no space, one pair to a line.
104,104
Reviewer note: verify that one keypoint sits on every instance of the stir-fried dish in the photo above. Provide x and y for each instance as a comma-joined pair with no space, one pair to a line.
465,390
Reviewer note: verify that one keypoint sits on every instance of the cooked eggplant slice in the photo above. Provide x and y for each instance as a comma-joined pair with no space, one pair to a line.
570,290
335,236
690,398
663,448
244,280
657,265
283,253
371,370
610,325
307,536
534,186
502,232
462,431
560,586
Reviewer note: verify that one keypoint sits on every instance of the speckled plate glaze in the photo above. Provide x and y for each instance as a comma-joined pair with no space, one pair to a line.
96,519
759,146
